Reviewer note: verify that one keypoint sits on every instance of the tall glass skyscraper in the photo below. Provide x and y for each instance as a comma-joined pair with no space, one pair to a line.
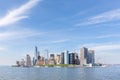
36,52
91,58
66,57
62,58
72,58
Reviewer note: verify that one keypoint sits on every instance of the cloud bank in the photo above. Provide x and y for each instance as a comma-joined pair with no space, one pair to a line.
102,18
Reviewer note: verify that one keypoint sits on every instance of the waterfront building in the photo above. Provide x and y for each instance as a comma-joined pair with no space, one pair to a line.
91,58
39,62
66,57
22,63
77,61
83,56
46,57
62,58
52,56
71,58
28,60
18,63
52,59
36,52
46,61
57,59
34,61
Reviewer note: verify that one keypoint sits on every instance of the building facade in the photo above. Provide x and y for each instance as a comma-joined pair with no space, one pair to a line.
66,57
28,61
71,58
58,59
83,56
91,57
62,58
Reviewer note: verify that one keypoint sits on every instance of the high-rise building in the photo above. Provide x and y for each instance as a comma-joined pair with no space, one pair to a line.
66,57
28,60
62,58
18,63
36,52
39,62
22,63
52,59
52,56
46,57
91,58
71,58
57,59
83,56
77,61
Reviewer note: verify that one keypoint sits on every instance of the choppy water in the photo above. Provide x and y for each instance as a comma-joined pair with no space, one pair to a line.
14,73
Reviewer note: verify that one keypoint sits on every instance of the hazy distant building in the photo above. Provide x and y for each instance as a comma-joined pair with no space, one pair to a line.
46,61
62,58
46,57
58,59
28,60
18,63
52,56
22,63
36,52
66,57
83,56
52,59
34,61
91,58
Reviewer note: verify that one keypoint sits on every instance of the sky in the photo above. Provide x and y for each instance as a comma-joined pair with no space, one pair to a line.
59,25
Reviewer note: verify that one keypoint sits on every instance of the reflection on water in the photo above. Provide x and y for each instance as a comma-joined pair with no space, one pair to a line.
14,73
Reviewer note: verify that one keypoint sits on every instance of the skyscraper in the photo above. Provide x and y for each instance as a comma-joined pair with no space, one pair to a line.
52,59
77,61
66,57
83,56
28,60
71,58
91,58
62,58
57,59
22,63
35,56
52,56
36,52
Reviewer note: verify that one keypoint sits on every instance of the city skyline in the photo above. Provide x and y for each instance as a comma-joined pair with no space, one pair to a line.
57,26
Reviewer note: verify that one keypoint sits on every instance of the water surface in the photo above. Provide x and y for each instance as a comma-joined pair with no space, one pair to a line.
15,73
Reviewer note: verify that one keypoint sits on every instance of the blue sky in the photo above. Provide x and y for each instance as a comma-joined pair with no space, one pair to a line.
58,25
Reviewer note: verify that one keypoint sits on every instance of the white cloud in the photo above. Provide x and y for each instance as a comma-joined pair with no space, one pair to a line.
60,41
101,18
107,47
17,14
18,34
